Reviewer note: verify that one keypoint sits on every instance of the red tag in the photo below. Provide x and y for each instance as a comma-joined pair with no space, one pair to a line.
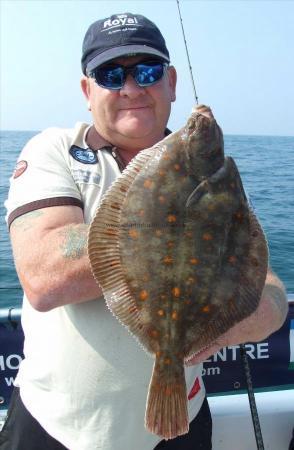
20,168
195,389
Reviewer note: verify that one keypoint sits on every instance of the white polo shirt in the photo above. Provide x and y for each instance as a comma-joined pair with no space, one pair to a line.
84,377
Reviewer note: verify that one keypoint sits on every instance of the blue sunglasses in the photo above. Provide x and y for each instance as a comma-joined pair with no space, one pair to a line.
113,76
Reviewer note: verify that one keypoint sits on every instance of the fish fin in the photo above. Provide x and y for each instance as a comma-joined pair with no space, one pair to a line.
191,356
195,195
212,185
204,187
103,248
166,411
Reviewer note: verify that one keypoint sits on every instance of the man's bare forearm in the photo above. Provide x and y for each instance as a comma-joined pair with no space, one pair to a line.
58,270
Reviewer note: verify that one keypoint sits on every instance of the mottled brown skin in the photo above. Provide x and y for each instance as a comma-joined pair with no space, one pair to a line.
185,264
191,257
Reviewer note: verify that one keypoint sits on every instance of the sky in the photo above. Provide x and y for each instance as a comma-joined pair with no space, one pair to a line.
241,54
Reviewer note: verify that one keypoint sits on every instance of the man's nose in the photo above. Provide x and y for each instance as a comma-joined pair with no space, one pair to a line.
131,88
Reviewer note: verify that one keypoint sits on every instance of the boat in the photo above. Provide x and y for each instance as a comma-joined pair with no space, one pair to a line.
272,371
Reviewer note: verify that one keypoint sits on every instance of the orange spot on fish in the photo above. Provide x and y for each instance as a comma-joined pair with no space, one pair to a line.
161,199
143,295
168,260
111,232
171,218
168,391
232,259
167,361
112,264
231,302
165,156
170,244
133,233
206,309
162,172
188,301
194,261
177,166
148,184
254,262
158,354
239,217
115,206
158,233
160,312
207,237
176,291
174,315
154,333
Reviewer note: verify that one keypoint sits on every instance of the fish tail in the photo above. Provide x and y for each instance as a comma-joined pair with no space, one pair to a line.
166,411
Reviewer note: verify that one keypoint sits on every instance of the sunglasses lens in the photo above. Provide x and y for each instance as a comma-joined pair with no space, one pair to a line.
148,74
114,76
111,77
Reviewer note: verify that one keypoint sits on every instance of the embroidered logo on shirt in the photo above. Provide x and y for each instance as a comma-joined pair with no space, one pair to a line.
85,156
195,389
20,168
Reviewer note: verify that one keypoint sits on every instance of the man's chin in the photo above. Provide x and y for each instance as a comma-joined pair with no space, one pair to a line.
134,129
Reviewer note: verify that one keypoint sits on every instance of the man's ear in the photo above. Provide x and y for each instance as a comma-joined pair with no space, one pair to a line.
85,85
172,76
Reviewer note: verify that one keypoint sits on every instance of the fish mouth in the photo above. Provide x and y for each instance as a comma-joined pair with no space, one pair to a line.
204,111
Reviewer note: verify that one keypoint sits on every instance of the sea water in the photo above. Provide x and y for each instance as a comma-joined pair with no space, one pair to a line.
266,165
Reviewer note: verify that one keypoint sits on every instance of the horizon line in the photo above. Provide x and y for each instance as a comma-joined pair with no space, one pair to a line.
225,134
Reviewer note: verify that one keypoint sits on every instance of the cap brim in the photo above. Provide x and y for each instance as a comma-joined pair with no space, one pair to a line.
124,50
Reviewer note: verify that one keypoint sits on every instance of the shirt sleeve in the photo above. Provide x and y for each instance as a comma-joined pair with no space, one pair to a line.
42,176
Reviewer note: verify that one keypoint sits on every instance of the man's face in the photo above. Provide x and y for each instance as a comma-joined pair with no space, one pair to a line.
134,116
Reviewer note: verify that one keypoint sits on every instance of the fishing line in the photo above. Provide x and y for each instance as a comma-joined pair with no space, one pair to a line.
187,53
252,403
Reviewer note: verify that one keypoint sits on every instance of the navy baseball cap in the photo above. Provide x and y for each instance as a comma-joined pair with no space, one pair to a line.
121,35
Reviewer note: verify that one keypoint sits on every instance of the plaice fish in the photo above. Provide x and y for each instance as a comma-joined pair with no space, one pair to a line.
180,257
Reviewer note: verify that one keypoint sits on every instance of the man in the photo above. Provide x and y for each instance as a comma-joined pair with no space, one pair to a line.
84,379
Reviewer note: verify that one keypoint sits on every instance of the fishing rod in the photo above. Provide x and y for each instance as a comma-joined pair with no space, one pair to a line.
243,353
251,396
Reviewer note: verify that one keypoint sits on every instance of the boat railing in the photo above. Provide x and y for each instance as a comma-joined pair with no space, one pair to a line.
11,316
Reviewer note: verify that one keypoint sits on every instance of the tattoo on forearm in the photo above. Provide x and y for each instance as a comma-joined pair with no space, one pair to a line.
26,221
279,297
74,242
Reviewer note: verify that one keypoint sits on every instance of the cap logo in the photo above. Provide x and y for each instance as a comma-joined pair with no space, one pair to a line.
121,20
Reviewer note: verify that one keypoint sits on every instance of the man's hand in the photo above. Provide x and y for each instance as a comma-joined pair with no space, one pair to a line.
268,318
